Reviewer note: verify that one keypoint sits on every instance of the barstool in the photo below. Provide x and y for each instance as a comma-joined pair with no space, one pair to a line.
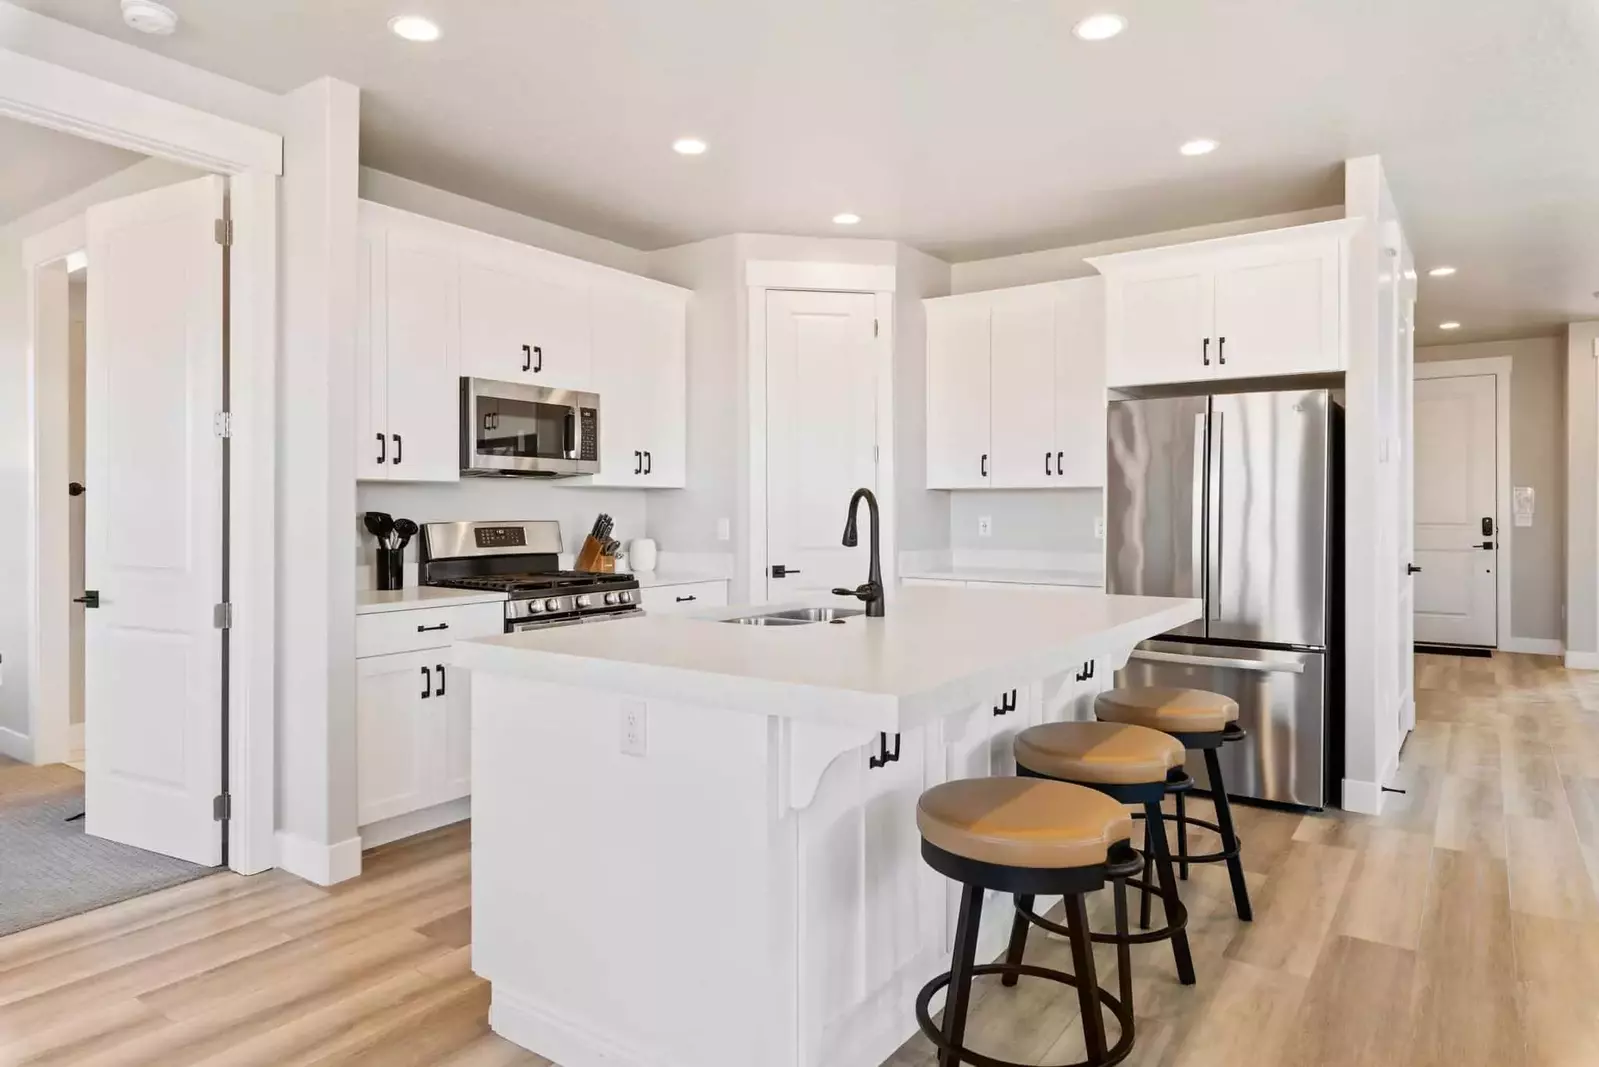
1025,836
1130,764
1203,722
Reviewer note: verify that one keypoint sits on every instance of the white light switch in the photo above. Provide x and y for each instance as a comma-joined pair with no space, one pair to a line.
985,526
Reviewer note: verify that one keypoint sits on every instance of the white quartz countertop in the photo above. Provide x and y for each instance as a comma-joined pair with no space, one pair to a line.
368,601
651,579
937,651
1090,579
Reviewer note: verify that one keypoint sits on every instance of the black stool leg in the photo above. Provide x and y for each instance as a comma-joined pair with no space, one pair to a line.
1168,892
1182,836
959,996
1087,980
1149,864
1229,836
1018,939
1124,948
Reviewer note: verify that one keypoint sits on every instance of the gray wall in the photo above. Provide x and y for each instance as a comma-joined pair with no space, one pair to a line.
1582,492
1537,458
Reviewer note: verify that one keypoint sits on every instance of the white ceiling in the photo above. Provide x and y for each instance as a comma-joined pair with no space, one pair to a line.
975,127
40,166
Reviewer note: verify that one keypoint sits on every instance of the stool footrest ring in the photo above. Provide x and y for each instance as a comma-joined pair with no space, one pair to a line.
1204,824
1142,937
1111,1003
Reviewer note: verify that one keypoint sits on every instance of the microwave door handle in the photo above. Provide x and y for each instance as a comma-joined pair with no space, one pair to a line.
569,441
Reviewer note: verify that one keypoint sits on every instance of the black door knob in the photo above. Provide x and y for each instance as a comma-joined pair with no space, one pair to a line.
74,488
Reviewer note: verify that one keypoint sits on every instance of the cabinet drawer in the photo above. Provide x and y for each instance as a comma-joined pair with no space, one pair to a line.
671,599
387,632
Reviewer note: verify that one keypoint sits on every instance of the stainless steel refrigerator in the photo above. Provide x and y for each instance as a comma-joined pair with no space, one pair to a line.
1234,499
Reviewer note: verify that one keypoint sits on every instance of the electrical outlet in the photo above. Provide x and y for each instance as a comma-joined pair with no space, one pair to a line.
1099,527
634,733
724,530
985,526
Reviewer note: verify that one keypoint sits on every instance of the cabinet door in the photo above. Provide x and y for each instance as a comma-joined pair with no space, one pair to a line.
451,714
523,321
371,357
640,374
1022,377
1158,322
1277,311
394,735
1080,384
958,394
419,339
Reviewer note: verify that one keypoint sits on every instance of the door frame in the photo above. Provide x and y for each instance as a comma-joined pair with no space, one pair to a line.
762,277
1499,367
44,94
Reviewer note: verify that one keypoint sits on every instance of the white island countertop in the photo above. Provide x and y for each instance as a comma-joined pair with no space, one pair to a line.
937,650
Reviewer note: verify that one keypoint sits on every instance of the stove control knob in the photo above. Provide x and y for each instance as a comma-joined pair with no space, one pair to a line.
611,598
585,601
535,606
552,604
625,597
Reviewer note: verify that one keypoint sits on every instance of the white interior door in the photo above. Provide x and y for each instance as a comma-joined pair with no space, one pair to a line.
1457,588
821,424
153,551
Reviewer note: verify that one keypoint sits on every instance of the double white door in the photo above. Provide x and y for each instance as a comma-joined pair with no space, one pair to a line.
1456,475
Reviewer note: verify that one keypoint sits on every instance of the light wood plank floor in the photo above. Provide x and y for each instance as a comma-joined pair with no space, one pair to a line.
1460,928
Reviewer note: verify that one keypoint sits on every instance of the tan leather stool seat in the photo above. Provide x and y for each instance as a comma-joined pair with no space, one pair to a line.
1178,711
1100,753
1022,822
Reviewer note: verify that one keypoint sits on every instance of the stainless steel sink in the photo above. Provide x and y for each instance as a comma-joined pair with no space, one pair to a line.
764,620
818,614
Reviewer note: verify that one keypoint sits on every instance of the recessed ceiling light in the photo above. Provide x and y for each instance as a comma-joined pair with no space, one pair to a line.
1441,272
846,218
1199,146
1100,27
689,146
414,28
1449,325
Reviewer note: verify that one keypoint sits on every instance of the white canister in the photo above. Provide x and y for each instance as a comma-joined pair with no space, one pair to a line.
641,553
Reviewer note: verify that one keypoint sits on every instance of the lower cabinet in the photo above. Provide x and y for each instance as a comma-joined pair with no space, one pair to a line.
413,734
675,599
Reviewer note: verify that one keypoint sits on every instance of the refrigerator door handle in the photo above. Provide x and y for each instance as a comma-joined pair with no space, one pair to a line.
1213,568
1263,666
1196,561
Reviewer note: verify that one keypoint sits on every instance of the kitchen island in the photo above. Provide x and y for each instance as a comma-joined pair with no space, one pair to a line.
694,842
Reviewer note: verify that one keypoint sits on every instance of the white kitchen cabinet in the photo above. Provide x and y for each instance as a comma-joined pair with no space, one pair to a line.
393,731
680,599
1016,379
1253,306
958,392
407,356
523,318
641,375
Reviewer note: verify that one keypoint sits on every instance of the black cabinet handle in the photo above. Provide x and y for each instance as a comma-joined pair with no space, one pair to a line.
538,359
686,599
1221,350
1411,568
399,449
1047,471
527,358
1007,703
983,465
638,462
649,463
427,682
440,690
886,757
383,448
1060,459
1086,673
440,626
1206,351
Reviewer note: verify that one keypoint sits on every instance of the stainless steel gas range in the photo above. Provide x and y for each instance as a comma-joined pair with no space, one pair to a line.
522,560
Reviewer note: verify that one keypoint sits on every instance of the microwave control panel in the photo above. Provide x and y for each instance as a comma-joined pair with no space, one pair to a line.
588,434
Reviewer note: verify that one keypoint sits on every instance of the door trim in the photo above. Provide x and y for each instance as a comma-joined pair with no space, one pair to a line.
45,94
1499,367
761,277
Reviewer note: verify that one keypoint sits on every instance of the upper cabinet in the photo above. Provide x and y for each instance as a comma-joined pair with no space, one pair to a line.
1255,306
439,303
1016,388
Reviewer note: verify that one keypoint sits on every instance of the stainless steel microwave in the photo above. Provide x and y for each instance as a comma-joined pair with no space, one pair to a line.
509,429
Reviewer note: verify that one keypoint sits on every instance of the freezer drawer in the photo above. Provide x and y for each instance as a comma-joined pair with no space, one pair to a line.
1282,703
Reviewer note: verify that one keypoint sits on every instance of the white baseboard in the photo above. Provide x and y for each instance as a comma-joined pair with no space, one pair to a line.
415,822
319,863
15,745
1535,646
1362,798
75,743
560,1040
1583,661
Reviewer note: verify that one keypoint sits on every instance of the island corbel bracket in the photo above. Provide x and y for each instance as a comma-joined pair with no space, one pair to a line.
885,757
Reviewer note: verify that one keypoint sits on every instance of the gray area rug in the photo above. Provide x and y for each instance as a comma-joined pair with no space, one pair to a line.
50,868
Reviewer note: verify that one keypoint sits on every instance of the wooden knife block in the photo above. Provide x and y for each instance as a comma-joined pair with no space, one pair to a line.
590,559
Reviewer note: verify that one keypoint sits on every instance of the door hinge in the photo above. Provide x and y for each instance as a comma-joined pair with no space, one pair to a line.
222,807
222,616
874,327
224,232
222,423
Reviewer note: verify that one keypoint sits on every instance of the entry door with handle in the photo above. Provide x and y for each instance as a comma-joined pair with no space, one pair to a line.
821,419
153,554
1456,432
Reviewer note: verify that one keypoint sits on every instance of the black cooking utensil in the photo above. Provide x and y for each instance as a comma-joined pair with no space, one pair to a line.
406,529
379,524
